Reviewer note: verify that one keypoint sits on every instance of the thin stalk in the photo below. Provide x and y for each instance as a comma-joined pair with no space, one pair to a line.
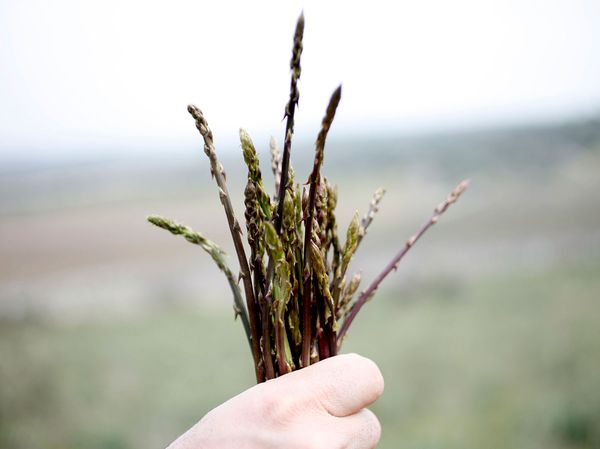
290,110
289,115
275,165
258,210
217,255
350,247
373,209
236,233
283,348
264,301
323,342
349,290
281,291
265,308
393,264
308,223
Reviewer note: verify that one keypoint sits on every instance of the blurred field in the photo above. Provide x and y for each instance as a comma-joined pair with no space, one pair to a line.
114,335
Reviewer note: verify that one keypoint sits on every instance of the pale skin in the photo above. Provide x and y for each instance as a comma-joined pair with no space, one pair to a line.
320,407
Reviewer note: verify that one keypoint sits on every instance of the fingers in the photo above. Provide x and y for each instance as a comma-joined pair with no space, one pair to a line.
360,431
320,406
342,385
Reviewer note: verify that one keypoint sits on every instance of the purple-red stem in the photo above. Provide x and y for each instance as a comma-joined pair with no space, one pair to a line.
393,264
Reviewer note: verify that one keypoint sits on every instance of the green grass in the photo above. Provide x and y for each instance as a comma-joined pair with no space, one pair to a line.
506,362
501,362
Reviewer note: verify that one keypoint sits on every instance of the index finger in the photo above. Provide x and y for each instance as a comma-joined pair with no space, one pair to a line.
343,385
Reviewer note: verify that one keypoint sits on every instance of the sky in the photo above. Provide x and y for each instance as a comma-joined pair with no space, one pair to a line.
93,76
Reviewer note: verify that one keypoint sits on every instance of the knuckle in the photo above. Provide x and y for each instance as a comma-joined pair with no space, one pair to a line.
372,427
377,378
352,358
366,433
370,370
279,410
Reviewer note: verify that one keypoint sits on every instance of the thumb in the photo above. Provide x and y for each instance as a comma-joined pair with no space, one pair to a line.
343,385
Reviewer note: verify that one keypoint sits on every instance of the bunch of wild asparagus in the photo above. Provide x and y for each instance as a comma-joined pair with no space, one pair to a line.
299,301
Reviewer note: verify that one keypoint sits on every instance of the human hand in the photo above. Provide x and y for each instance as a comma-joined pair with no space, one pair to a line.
319,407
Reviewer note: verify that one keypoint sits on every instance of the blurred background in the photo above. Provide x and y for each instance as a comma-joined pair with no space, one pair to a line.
115,335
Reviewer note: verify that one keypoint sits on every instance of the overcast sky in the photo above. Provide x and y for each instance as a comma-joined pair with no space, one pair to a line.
88,75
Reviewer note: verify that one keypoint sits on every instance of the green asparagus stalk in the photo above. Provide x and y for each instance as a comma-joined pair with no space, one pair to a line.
218,173
218,256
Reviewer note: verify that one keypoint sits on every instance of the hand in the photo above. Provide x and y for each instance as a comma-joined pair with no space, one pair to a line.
321,406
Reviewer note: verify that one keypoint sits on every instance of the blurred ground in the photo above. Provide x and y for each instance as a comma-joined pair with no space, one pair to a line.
116,335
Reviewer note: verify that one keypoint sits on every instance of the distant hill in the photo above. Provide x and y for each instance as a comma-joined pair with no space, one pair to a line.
515,148
450,155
